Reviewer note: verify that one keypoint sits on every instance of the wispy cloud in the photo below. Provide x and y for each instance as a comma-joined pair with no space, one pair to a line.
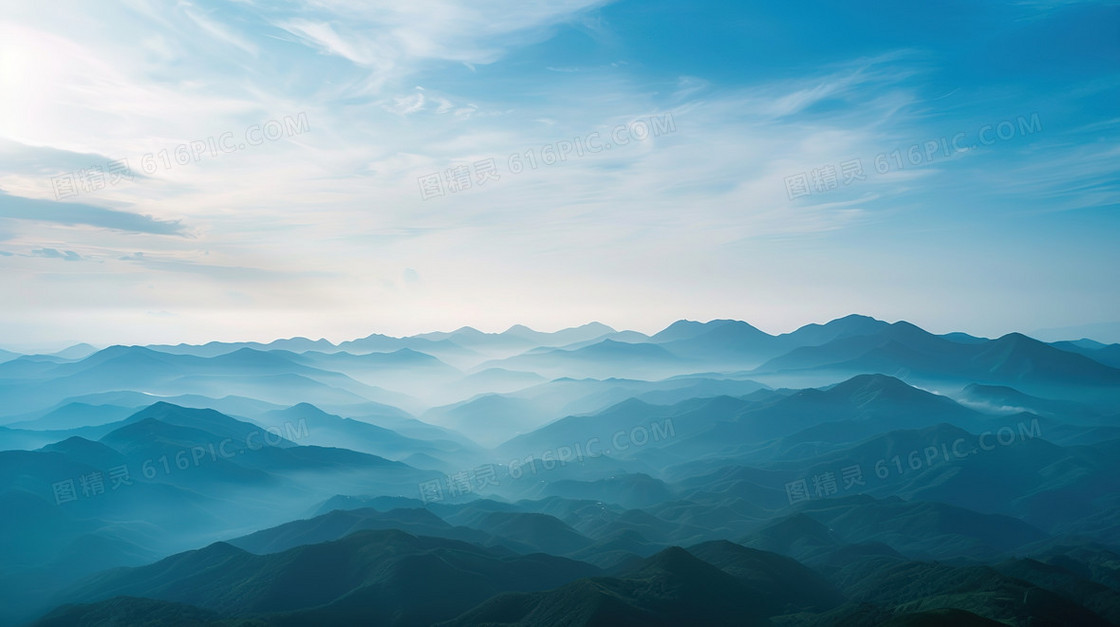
73,213
385,35
51,253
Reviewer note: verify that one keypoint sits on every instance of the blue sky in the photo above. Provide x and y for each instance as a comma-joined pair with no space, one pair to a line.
953,164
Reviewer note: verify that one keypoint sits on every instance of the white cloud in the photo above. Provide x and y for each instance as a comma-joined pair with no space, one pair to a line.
338,210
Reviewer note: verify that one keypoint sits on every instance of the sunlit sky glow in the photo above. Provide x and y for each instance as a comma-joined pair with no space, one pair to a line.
324,232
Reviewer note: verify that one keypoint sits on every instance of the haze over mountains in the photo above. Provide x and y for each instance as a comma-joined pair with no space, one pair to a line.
852,472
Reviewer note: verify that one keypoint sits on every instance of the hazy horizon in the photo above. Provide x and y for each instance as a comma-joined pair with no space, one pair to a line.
1105,333
252,171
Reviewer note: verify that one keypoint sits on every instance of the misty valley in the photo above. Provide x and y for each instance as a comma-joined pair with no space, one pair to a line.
856,472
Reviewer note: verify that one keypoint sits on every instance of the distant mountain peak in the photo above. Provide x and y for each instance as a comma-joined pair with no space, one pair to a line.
1016,339
673,556
856,318
678,330
74,444
871,381
570,335
245,350
595,324
77,351
679,562
980,387
690,329
304,408
517,329
217,549
119,350
851,324
160,407
905,324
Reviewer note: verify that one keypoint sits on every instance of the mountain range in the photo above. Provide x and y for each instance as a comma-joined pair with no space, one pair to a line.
856,472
